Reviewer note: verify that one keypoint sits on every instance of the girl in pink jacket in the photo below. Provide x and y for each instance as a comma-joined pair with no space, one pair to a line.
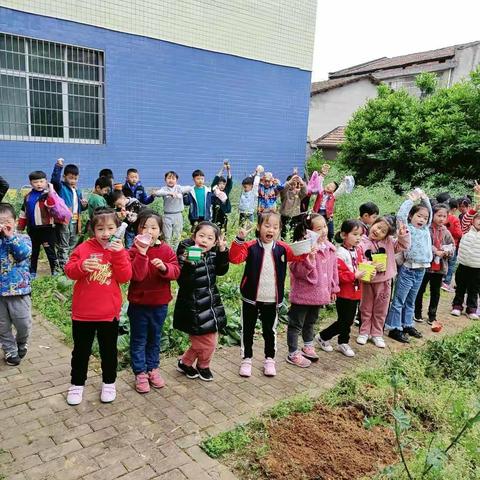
314,283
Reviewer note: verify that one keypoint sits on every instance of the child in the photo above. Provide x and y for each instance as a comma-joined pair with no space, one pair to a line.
268,191
349,256
221,188
368,215
67,235
154,266
15,303
455,229
262,286
198,309
127,209
172,194
133,187
199,199
443,248
291,197
36,217
248,198
464,205
376,293
97,198
416,260
314,283
98,267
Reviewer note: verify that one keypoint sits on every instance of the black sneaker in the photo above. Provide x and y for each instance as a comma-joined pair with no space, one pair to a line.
412,332
205,374
190,372
398,335
431,320
22,350
12,360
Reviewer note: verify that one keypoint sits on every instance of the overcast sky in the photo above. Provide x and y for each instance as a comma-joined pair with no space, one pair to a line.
350,32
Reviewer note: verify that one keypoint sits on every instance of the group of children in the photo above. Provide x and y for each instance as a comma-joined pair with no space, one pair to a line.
415,248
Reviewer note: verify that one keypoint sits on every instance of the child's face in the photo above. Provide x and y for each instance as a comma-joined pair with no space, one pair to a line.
267,182
171,180
319,226
368,219
248,187
463,208
379,231
199,180
420,218
133,178
221,186
152,228
295,188
6,219
39,185
71,179
269,230
440,217
353,238
102,191
121,202
331,187
205,238
104,230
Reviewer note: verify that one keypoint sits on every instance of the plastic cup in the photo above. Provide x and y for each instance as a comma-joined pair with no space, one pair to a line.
194,253
144,240
369,269
380,258
97,257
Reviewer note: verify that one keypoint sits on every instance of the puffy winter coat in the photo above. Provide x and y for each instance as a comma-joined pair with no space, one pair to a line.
199,309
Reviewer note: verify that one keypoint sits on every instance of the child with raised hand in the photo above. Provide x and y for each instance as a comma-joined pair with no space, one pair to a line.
269,189
291,197
221,188
349,257
376,293
198,309
313,284
154,266
455,228
416,260
443,247
98,267
262,286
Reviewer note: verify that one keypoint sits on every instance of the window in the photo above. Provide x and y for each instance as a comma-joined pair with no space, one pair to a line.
50,92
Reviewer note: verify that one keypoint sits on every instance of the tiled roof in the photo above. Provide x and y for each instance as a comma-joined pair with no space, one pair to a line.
325,85
331,139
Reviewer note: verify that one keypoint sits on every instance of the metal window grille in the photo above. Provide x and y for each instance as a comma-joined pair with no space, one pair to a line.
50,92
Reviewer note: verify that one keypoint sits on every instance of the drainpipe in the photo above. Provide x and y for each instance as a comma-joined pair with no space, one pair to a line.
449,77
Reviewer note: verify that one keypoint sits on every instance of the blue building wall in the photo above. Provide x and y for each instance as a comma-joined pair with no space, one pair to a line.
172,107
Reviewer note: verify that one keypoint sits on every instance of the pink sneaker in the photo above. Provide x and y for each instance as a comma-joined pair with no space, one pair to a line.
269,367
155,379
309,352
299,360
141,383
246,367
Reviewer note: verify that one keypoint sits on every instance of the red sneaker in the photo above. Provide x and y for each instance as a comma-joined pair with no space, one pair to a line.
155,379
141,383
309,352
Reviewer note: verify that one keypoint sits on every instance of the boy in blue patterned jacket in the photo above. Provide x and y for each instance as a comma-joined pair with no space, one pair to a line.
15,303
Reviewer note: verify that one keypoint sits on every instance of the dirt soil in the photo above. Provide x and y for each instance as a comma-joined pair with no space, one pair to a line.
327,444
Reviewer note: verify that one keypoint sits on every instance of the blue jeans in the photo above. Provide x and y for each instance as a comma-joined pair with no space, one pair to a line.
129,238
402,307
451,269
146,324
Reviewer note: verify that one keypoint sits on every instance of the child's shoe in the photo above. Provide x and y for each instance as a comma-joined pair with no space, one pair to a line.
378,342
22,350
309,352
362,339
473,316
456,312
12,359
75,394
269,367
346,349
325,345
109,393
299,360
418,319
141,383
187,370
155,379
398,335
246,367
412,332
205,374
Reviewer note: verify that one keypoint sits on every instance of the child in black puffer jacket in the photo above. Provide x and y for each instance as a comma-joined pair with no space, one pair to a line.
198,309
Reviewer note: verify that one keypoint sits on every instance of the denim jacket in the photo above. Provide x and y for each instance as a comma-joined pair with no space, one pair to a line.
15,265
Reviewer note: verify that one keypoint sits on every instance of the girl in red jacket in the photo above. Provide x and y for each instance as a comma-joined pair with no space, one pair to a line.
154,266
349,256
98,267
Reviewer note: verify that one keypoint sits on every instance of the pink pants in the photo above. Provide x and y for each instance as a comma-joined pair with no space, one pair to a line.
374,307
201,349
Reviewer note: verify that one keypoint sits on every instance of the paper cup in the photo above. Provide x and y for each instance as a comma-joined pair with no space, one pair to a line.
194,254
144,240
380,258
302,247
369,269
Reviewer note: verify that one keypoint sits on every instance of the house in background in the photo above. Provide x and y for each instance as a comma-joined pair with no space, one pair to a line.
333,101
330,143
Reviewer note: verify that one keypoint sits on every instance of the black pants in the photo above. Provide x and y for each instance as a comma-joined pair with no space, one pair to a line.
83,334
301,320
467,280
435,280
220,218
346,310
46,237
267,312
289,224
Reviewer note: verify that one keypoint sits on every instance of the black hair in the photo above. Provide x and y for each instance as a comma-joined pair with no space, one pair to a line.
37,175
346,227
247,181
142,218
222,180
101,212
392,218
171,172
300,230
369,208
103,182
197,173
453,203
289,178
105,172
336,185
200,225
8,208
71,169
415,209
443,197
439,206
388,222
132,170
464,202
264,216
115,195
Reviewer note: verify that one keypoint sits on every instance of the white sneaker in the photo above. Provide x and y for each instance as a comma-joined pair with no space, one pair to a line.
473,316
109,392
346,349
456,312
379,342
75,394
362,339
324,344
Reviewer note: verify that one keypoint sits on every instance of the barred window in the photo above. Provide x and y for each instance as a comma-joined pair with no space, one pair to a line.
50,92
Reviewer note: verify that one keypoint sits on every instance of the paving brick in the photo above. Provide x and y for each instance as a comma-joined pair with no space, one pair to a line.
60,450
171,475
144,473
32,448
98,436
108,473
193,471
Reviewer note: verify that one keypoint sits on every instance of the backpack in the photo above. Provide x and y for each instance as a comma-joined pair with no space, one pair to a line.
59,210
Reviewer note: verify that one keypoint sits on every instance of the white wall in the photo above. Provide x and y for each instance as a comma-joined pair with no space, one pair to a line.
467,60
274,31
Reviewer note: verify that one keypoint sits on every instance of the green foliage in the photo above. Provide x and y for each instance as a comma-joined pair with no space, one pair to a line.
226,442
426,83
300,404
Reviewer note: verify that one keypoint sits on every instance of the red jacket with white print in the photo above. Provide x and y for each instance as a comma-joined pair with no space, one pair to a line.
348,261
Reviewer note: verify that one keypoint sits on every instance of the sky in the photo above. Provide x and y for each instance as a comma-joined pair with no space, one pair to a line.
350,32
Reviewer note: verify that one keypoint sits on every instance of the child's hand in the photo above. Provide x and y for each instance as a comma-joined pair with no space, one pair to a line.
359,274
83,202
476,188
90,265
121,214
222,243
140,246
115,245
60,162
325,169
7,229
402,229
156,262
414,195
244,231
313,253
333,297
379,267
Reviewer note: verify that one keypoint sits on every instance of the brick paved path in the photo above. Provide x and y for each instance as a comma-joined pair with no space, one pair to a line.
154,436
